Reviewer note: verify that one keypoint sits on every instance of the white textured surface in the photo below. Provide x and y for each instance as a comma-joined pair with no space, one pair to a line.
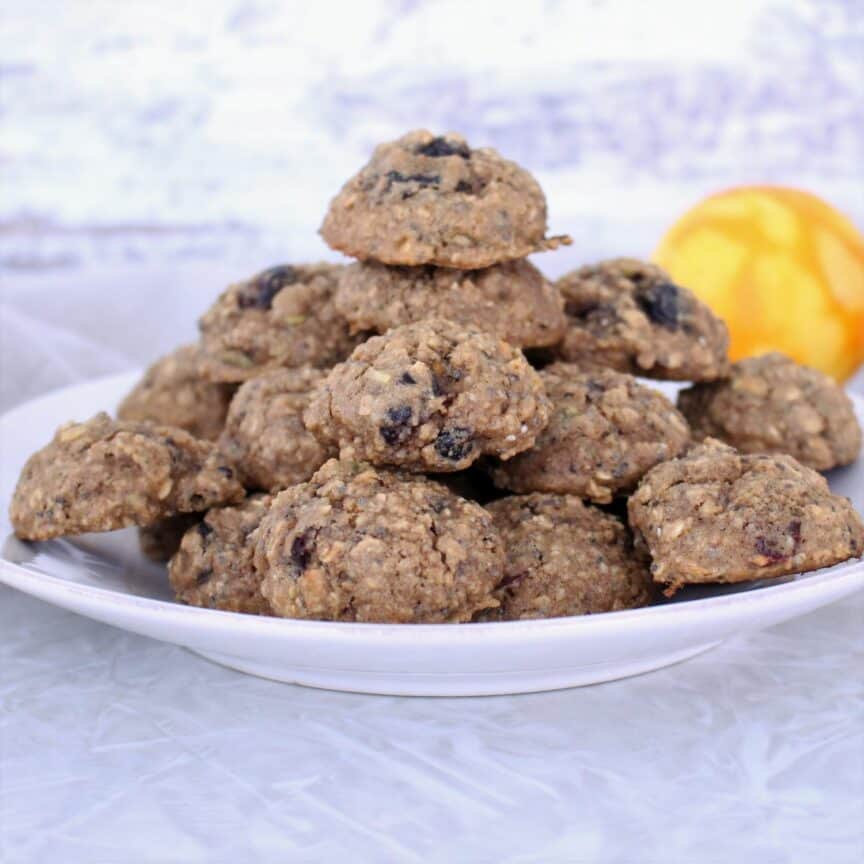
149,152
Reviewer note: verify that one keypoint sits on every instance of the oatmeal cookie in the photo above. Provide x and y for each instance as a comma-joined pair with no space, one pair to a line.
716,515
434,200
173,392
264,436
605,431
770,404
564,557
512,300
281,317
430,396
106,474
213,566
359,544
629,315
161,540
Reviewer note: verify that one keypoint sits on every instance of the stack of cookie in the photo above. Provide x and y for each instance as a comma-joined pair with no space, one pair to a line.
371,443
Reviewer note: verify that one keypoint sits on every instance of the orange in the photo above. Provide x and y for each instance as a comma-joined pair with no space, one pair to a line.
782,267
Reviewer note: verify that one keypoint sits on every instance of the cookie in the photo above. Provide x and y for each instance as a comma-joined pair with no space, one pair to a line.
173,392
629,315
564,557
431,396
424,199
512,300
359,544
264,436
716,515
281,317
213,566
107,474
605,431
161,540
770,404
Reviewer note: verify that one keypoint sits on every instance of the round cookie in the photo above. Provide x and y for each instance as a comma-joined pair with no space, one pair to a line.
628,315
605,431
161,540
358,544
424,199
107,474
770,404
716,515
213,566
512,300
281,317
564,557
173,392
431,396
264,435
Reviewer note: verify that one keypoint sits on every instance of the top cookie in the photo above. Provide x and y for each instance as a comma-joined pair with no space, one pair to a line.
281,317
716,515
770,404
430,396
173,392
106,474
512,300
628,315
434,200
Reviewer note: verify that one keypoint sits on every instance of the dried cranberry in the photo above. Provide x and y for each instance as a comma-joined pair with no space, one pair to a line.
301,550
259,293
769,550
454,444
442,147
398,429
660,301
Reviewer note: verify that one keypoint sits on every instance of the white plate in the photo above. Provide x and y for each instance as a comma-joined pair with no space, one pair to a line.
105,577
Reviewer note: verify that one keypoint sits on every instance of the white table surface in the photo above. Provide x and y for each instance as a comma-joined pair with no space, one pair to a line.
150,154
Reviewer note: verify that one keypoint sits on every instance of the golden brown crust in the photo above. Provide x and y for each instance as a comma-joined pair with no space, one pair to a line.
514,301
283,316
107,474
360,544
770,404
174,392
605,431
424,199
628,315
213,565
265,437
716,515
430,396
564,557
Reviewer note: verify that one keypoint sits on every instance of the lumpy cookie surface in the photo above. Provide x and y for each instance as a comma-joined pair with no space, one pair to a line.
628,315
605,431
716,515
770,404
359,544
514,301
563,557
431,396
213,566
284,316
174,392
106,474
264,435
426,199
